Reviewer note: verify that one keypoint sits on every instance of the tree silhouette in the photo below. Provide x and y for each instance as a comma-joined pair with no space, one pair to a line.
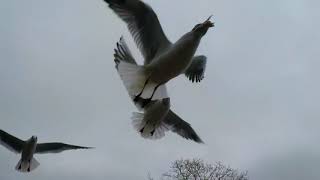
197,169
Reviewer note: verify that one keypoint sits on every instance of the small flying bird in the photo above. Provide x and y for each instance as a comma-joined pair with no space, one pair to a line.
163,60
157,117
30,147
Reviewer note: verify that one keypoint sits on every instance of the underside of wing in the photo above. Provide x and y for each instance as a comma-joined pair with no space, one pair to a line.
143,25
123,53
181,127
10,142
195,71
56,147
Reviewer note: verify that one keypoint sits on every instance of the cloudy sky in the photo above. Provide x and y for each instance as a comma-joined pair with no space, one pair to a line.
257,108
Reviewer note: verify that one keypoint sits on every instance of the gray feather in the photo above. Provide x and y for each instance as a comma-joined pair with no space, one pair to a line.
143,25
10,142
56,147
195,71
181,127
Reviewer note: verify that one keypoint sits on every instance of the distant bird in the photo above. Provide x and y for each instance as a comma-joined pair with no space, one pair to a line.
29,147
157,117
163,60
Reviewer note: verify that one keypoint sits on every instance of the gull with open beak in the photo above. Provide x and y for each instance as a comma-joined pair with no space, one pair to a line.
163,60
30,147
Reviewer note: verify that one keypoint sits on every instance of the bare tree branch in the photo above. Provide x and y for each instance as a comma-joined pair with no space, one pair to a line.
197,169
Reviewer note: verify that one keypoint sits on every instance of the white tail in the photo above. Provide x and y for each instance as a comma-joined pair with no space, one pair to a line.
147,128
26,166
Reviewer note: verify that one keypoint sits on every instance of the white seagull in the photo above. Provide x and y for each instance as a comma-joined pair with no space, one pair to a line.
157,117
30,147
163,60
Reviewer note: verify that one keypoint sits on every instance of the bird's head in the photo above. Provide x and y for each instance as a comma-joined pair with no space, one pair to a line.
202,28
33,139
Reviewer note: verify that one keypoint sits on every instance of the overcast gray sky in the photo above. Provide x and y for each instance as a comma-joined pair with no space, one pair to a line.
257,108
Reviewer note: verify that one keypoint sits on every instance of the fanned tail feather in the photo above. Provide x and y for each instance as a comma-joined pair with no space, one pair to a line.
146,129
25,166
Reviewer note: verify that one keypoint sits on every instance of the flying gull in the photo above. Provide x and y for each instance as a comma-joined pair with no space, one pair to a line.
163,60
30,147
157,117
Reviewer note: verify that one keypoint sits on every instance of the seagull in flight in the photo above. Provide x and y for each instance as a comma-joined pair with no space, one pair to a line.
157,117
30,147
163,60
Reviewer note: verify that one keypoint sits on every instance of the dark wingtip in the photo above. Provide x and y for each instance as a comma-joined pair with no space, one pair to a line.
81,147
110,2
197,139
107,1
194,136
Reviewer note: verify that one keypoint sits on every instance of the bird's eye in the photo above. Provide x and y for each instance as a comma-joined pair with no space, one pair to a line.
196,27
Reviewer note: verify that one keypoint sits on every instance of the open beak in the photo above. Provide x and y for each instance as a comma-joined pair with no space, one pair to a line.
208,23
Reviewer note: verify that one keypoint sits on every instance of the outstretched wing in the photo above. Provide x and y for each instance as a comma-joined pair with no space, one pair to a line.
143,25
10,142
181,127
56,147
195,71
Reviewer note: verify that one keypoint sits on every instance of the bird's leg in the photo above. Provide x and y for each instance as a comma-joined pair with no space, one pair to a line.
152,132
154,129
29,161
141,130
147,101
136,98
154,91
